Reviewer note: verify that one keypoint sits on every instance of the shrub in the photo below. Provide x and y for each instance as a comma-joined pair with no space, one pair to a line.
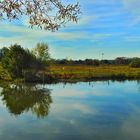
135,63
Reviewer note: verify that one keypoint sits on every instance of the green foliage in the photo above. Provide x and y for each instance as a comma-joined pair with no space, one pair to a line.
16,60
4,74
135,63
13,60
122,61
41,51
3,51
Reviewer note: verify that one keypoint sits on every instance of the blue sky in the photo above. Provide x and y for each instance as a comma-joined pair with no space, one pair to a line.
111,27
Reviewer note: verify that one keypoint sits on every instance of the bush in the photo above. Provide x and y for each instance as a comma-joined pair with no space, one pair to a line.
135,63
16,59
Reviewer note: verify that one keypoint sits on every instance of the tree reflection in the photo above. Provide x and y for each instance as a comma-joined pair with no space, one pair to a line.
21,98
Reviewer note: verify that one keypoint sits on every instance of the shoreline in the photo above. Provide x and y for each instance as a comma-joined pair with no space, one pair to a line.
22,81
63,73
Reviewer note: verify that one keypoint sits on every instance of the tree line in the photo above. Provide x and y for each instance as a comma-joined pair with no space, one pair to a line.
17,60
132,62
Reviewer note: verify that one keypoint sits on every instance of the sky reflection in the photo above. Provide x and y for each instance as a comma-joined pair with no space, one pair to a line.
97,111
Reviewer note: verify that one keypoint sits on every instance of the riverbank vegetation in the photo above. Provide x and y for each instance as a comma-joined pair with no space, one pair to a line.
36,65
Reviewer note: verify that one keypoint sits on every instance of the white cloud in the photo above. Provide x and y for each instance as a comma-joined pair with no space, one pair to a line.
21,35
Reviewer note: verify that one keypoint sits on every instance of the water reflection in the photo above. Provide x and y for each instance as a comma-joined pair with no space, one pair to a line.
94,110
22,98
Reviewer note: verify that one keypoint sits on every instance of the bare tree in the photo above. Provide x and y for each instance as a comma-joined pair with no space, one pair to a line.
45,14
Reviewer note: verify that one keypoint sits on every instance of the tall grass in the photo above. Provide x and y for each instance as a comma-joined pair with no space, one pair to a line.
90,72
79,73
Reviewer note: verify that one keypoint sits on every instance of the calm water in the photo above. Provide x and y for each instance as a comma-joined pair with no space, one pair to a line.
82,111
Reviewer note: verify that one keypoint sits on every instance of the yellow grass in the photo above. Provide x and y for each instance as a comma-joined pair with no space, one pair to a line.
95,72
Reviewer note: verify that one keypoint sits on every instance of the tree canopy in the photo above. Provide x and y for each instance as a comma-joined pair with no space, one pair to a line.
16,59
135,63
41,51
46,14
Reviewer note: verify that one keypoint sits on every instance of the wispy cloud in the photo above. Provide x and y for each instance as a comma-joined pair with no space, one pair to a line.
103,24
132,38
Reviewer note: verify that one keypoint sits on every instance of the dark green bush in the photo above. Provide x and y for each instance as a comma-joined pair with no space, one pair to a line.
135,63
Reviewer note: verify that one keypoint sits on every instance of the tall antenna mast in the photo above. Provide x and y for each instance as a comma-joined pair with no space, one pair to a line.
102,56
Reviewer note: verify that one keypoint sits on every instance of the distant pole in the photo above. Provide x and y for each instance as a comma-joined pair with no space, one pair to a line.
102,56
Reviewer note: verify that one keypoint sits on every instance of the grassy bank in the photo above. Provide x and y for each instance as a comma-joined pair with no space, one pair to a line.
83,73
76,73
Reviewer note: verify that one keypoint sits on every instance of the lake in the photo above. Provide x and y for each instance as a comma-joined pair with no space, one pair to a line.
102,110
